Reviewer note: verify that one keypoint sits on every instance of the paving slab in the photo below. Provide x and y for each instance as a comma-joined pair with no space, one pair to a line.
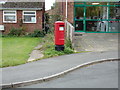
36,54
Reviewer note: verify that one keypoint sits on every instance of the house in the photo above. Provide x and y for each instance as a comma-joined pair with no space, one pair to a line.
91,15
29,15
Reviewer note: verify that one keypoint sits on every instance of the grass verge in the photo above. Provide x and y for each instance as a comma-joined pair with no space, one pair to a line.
16,50
49,47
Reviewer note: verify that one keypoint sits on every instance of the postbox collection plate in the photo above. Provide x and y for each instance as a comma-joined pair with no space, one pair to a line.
61,28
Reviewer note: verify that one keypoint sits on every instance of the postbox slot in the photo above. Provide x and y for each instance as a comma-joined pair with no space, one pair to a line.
61,25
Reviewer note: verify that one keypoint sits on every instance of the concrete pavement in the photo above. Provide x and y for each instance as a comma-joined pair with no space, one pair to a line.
47,67
97,42
36,54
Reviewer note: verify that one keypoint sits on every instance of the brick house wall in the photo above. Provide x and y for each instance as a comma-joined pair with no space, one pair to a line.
29,27
19,7
0,17
70,12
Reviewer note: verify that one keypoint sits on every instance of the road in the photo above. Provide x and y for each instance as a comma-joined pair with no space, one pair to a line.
51,66
102,75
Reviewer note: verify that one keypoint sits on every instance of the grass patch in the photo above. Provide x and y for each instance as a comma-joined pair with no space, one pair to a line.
16,50
49,47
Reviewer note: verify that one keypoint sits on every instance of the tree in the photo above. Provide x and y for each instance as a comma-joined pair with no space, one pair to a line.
47,18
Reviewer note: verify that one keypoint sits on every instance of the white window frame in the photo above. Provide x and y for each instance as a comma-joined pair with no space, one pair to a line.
29,15
10,15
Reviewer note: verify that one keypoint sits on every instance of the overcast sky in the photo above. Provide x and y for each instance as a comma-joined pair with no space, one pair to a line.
48,4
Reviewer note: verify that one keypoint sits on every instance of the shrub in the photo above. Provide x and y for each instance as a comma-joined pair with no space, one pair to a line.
16,32
37,33
4,35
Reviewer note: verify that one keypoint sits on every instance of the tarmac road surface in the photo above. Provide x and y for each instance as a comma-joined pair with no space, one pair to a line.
51,66
102,75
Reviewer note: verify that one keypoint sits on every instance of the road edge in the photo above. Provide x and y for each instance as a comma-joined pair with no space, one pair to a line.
44,79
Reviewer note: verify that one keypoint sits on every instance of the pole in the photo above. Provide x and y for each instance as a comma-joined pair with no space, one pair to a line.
66,9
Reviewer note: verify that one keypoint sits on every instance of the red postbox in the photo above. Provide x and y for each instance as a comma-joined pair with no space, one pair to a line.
59,35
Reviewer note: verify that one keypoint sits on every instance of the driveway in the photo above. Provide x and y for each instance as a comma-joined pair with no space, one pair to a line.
96,42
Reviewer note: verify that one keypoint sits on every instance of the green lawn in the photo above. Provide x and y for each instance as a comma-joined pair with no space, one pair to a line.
16,50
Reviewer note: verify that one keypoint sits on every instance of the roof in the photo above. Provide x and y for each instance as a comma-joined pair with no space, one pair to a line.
24,0
23,5
97,0
87,0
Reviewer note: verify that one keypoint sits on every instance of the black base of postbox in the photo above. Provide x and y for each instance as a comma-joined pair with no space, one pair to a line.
59,47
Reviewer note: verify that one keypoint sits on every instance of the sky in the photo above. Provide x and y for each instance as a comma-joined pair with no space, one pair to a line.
48,4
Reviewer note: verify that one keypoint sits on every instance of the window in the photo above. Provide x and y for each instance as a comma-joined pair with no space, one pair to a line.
29,16
9,16
97,17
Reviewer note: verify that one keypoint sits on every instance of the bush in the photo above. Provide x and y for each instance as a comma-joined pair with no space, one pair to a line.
4,35
37,33
16,32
